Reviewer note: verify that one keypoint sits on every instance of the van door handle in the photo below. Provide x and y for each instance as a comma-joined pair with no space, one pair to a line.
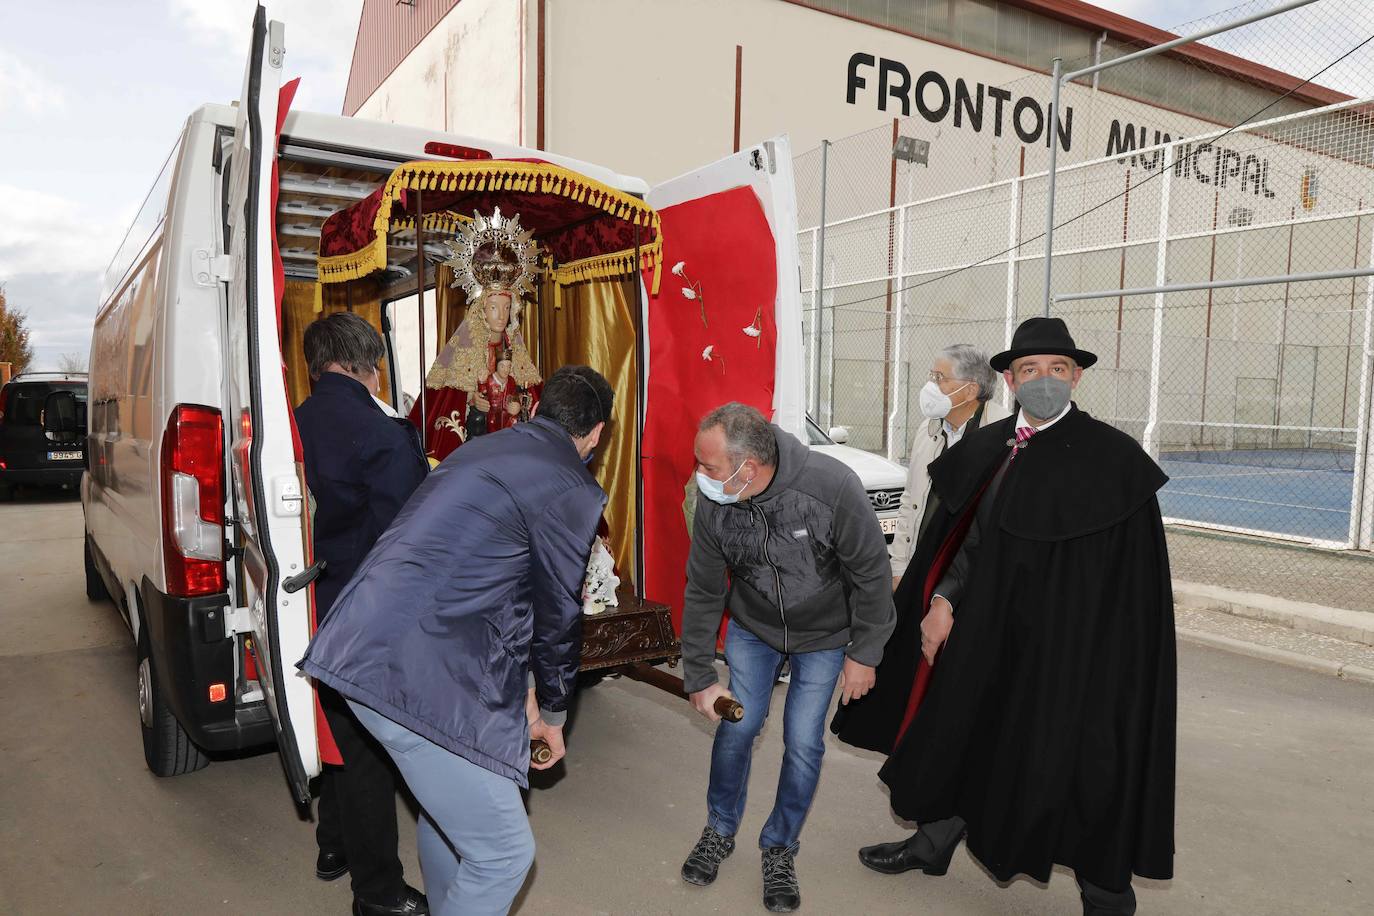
303,578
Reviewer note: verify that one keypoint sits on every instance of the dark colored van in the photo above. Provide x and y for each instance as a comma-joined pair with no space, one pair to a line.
43,431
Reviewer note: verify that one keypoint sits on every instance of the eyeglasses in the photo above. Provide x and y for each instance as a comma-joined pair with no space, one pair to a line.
940,378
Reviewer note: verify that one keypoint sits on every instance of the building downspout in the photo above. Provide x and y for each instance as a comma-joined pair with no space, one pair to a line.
542,19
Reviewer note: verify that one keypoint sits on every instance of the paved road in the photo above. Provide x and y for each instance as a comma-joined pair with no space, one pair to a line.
1276,803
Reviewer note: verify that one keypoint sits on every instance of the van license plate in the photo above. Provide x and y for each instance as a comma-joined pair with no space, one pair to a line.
76,456
889,525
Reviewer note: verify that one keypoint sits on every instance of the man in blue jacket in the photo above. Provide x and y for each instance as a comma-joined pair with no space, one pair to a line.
361,466
474,592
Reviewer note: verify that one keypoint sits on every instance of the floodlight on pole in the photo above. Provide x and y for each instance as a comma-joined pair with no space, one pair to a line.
910,149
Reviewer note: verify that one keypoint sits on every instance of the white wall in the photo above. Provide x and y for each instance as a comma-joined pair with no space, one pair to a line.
464,76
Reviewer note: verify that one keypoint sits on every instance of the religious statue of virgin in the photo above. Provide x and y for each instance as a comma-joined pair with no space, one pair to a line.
483,380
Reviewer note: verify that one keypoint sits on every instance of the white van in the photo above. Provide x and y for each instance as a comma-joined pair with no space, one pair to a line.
193,499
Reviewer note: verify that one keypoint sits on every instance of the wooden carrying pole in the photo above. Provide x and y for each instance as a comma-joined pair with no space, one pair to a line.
728,709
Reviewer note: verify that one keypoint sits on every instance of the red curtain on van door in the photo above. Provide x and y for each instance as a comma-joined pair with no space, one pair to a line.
728,272
329,751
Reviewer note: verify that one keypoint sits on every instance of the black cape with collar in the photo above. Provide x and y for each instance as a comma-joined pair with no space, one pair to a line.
1049,721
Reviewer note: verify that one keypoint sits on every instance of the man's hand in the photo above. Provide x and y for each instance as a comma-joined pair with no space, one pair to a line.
513,408
705,700
935,628
480,402
855,680
553,734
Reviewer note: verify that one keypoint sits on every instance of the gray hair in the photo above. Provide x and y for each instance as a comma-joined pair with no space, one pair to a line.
972,363
747,433
344,338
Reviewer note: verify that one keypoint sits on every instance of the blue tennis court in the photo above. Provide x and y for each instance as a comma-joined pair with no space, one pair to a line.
1303,493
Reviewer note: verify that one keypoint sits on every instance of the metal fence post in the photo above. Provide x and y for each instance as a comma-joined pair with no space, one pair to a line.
898,401
818,297
1050,178
1013,240
1362,487
813,379
1150,438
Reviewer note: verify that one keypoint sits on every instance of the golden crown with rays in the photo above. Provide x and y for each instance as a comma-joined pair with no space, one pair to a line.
493,252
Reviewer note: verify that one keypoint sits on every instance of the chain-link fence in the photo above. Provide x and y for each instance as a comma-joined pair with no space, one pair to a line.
1255,397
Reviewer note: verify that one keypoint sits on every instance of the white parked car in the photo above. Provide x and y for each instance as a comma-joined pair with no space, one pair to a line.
884,480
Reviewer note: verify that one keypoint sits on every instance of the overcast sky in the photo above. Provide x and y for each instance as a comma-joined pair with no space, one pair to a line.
93,94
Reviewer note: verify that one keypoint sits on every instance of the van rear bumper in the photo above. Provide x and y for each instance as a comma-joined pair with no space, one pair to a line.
42,477
190,653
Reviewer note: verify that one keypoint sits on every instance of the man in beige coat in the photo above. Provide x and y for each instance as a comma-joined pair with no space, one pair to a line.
956,397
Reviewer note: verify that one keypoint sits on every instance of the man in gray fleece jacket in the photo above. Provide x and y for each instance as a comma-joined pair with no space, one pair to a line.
787,540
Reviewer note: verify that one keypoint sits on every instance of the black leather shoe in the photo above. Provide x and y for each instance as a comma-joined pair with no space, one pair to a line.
781,892
412,903
917,851
331,865
703,862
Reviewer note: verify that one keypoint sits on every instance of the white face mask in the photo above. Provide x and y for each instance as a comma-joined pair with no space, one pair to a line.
714,490
935,404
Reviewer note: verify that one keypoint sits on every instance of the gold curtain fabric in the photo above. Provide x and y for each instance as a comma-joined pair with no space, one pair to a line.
298,310
452,305
595,326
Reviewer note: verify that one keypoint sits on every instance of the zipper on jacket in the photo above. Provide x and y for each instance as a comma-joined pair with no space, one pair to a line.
777,578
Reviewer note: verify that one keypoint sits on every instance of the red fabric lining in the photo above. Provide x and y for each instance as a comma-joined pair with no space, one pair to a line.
328,749
728,249
943,558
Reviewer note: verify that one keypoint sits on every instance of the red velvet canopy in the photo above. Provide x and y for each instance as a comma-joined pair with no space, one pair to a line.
587,229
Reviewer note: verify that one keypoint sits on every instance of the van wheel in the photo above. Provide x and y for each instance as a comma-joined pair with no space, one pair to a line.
167,748
95,586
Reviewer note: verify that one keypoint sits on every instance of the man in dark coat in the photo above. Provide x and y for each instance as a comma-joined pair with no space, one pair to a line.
475,588
361,466
1045,732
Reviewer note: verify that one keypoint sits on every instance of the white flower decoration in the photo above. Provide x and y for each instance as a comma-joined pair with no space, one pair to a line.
679,269
752,331
688,293
706,354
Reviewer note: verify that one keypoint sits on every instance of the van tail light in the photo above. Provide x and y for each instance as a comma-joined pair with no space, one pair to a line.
193,501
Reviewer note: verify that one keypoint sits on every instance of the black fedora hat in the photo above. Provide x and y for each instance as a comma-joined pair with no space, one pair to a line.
1038,336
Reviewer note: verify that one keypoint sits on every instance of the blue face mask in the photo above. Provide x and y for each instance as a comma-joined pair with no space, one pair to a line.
714,490
590,456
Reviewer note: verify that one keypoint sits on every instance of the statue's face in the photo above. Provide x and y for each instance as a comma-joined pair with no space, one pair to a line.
498,312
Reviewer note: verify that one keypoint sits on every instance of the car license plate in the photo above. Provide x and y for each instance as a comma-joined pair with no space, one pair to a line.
889,525
76,456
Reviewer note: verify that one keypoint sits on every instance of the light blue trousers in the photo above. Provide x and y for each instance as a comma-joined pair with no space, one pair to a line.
474,836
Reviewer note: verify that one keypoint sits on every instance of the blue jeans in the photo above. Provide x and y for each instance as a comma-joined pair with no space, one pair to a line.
474,836
754,667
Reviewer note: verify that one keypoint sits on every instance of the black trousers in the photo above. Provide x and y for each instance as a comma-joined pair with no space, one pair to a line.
357,813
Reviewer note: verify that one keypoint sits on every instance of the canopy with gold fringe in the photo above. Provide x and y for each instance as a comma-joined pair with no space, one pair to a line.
588,230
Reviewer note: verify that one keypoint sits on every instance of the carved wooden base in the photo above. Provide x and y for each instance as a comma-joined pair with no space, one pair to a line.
636,631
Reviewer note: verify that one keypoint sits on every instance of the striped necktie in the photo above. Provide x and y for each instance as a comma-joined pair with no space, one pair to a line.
1023,433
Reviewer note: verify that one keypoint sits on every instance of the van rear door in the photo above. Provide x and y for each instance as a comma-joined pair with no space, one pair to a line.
267,492
724,326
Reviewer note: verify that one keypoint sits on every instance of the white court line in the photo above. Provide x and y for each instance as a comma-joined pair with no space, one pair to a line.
1264,473
1258,502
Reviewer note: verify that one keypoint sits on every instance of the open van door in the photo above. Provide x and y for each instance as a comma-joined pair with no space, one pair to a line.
267,494
724,326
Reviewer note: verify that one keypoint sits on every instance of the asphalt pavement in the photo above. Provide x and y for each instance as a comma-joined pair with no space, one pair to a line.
1275,799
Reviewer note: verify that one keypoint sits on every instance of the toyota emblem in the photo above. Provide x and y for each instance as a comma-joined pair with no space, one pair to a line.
883,500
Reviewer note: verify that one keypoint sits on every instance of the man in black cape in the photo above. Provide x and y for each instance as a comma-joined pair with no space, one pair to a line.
1042,725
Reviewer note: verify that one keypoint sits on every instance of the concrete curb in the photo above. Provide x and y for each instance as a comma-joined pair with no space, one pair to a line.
1340,670
1351,626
